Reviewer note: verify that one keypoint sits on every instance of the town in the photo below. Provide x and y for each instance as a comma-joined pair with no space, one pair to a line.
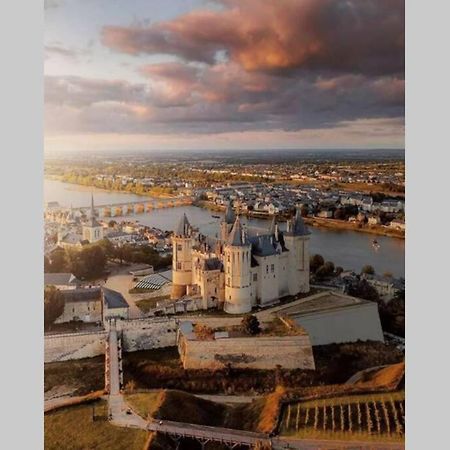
243,303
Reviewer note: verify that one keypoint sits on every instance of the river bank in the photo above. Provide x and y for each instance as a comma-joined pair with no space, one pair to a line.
318,222
148,194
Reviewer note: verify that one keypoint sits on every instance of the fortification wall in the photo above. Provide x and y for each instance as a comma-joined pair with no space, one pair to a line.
145,334
63,347
290,352
138,334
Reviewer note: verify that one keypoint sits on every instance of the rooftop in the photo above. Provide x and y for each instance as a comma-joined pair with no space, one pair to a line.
60,279
114,299
319,303
82,295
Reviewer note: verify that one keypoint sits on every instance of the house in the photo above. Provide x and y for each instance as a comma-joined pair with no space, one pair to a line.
92,304
373,220
81,304
325,213
398,224
61,280
114,304
387,287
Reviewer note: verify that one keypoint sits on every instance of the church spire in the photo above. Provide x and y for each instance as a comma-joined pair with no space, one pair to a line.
92,205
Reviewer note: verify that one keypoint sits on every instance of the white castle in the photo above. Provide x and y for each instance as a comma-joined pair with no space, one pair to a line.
244,268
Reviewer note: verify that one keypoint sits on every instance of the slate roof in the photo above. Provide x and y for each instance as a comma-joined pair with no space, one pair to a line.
184,227
297,226
114,299
59,279
81,295
230,217
237,237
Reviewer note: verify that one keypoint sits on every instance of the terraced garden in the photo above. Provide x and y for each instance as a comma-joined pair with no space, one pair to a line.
364,417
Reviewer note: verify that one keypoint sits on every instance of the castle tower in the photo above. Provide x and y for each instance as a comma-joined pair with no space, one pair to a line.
182,242
92,230
237,260
227,223
296,239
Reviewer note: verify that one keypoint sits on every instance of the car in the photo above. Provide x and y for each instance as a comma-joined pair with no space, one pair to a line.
160,422
129,411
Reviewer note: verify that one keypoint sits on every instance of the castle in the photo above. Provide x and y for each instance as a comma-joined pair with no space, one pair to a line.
244,267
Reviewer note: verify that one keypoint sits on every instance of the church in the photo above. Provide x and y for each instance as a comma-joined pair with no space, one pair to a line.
244,267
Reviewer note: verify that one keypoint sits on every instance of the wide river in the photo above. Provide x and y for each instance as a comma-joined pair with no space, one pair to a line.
345,248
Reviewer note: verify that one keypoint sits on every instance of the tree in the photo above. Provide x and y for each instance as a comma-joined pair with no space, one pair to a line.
58,261
53,305
364,290
87,263
315,262
250,324
368,269
329,267
339,214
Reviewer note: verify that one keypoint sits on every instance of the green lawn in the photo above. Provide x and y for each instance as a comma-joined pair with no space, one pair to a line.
72,428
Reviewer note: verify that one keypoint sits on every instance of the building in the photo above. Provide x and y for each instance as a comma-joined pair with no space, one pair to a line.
386,286
92,230
288,349
61,281
244,268
114,305
83,305
333,318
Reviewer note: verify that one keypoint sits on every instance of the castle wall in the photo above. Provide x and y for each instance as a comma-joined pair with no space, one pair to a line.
283,274
267,290
64,347
137,334
290,352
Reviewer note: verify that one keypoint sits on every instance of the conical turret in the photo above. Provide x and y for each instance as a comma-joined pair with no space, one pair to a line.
237,237
229,215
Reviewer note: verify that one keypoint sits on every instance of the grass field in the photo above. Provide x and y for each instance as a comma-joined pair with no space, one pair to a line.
260,415
73,428
81,376
356,417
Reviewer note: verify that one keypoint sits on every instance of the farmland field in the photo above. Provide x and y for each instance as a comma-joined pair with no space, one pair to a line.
362,417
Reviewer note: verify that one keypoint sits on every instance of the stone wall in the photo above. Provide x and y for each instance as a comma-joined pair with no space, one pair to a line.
63,347
145,334
290,352
137,334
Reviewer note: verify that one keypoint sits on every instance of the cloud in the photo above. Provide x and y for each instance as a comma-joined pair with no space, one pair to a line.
363,36
296,66
221,98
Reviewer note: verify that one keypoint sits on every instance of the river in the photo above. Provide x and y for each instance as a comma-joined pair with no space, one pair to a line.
346,248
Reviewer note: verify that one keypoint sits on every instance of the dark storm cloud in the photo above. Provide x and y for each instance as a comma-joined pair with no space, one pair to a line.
363,36
252,65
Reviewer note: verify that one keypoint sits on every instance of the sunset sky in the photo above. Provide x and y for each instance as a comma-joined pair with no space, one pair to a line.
226,74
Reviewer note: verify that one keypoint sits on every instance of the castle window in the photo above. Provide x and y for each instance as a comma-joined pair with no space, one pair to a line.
272,268
178,266
255,277
179,247
228,257
267,268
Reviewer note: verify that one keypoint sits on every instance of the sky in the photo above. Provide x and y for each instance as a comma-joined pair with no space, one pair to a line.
223,74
